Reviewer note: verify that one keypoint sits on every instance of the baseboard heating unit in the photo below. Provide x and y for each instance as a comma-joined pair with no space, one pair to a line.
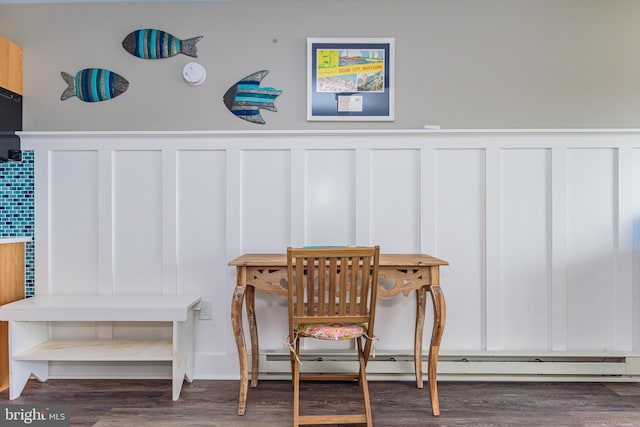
486,366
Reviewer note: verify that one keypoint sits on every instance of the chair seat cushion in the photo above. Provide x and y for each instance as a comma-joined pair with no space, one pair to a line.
335,332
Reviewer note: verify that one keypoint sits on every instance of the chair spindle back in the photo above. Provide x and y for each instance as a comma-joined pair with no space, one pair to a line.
332,284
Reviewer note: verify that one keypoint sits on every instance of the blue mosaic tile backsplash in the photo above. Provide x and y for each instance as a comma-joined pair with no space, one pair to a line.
17,209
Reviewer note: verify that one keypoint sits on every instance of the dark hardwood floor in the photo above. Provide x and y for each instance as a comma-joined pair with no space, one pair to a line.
214,403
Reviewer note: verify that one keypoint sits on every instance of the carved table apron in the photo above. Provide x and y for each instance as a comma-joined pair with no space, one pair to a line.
399,273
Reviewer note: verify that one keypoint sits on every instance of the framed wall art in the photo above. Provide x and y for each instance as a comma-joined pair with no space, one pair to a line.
350,79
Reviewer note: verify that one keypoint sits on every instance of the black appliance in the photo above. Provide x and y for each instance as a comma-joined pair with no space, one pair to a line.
10,123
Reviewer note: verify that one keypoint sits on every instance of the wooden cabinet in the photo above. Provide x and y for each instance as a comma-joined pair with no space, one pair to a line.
10,66
11,289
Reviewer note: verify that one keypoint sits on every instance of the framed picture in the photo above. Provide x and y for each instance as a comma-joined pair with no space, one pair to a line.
350,79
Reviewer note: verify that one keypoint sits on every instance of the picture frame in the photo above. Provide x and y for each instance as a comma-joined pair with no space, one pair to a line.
350,79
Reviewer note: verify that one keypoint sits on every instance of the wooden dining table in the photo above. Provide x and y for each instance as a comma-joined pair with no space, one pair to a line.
398,274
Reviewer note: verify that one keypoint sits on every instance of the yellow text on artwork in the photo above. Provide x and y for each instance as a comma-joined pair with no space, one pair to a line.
351,69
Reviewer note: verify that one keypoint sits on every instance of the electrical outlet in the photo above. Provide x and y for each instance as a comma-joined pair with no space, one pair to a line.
205,310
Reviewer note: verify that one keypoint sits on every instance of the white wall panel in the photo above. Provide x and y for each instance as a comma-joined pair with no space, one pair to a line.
394,209
635,250
540,228
460,240
73,232
591,249
525,244
329,197
329,204
137,219
201,237
266,224
266,200
394,215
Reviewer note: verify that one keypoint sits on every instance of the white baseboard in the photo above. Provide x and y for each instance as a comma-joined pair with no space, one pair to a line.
463,366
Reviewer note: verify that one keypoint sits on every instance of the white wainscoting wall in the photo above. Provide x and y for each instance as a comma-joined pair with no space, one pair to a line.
541,228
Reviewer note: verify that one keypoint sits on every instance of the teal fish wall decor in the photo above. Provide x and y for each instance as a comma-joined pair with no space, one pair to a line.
94,85
245,98
149,43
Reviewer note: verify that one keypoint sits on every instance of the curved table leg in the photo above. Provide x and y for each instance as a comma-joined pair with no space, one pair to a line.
417,341
253,332
238,332
439,317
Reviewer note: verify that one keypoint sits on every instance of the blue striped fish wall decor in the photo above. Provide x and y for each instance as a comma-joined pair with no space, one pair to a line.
245,98
94,85
149,43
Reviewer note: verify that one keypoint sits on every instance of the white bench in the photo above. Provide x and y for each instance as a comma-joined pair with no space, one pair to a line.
31,349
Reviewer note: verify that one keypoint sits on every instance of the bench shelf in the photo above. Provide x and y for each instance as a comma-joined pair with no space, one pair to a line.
99,351
31,346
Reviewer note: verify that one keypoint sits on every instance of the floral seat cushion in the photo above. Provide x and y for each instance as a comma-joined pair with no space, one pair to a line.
334,332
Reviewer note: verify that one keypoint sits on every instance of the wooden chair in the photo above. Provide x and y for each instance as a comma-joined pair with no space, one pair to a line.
332,296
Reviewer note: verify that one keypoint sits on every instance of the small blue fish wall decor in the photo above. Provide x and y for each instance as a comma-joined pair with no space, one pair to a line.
94,85
148,43
245,98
